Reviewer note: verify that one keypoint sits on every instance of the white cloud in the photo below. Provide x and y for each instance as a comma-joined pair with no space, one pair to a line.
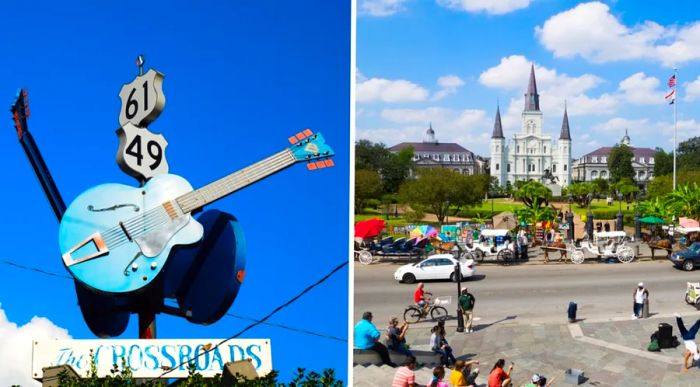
641,89
692,90
494,7
16,347
592,32
470,128
513,73
388,90
381,8
615,127
449,85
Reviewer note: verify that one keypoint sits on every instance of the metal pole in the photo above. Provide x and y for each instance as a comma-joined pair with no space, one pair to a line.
147,324
460,318
675,126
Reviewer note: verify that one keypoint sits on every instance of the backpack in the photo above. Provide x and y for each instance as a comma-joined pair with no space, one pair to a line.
654,344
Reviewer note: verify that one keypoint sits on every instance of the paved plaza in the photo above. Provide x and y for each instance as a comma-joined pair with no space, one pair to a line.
521,313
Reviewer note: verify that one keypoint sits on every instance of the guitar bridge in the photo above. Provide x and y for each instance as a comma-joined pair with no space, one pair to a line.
92,247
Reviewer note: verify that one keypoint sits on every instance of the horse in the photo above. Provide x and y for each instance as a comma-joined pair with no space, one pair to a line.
560,245
659,244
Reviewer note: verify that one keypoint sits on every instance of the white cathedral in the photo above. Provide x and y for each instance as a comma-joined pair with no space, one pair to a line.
531,154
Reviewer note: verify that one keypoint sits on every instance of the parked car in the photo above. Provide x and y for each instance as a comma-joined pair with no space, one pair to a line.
439,266
687,259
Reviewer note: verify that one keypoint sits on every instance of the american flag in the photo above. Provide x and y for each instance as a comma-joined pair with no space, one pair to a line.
671,97
672,81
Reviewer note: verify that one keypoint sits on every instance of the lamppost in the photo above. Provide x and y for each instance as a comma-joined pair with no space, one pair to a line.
458,276
618,225
570,220
589,217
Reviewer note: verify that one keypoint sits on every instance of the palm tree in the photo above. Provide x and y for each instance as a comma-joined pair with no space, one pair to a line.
534,194
685,200
657,207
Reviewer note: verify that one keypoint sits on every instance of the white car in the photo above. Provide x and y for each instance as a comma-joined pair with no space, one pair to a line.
440,266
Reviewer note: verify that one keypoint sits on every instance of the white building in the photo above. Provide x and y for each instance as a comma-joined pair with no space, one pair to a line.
531,154
594,165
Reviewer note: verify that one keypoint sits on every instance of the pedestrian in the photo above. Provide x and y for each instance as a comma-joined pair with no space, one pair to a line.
691,348
640,295
439,345
438,375
397,337
539,381
461,375
466,306
498,377
607,227
404,376
367,337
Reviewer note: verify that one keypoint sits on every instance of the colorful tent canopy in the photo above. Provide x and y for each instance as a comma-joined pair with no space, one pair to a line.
368,228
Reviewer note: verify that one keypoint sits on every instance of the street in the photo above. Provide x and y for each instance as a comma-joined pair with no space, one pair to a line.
533,292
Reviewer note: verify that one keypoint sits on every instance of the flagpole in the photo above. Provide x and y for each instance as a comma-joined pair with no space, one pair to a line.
675,125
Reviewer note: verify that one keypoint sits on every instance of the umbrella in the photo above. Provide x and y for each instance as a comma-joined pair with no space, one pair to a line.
652,220
368,228
504,220
424,231
688,223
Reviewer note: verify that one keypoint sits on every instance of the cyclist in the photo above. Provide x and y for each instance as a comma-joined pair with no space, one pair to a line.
421,298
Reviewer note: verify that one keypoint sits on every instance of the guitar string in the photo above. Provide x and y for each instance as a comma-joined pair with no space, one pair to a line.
190,199
222,187
115,237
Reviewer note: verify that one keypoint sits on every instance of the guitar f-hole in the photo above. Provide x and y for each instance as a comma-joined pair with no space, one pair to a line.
96,241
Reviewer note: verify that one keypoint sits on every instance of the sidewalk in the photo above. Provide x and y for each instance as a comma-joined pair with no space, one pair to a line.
609,352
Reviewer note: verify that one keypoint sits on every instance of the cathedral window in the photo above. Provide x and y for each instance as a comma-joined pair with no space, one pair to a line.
508,167
545,149
517,149
564,167
498,148
497,166
554,168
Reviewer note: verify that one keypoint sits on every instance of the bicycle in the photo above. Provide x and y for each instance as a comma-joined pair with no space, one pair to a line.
413,313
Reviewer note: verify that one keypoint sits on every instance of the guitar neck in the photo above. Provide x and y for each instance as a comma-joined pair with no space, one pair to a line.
235,181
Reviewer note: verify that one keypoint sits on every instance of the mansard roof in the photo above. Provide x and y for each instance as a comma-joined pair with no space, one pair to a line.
447,147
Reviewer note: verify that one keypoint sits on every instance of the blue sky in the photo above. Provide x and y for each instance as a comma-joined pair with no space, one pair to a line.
240,77
450,61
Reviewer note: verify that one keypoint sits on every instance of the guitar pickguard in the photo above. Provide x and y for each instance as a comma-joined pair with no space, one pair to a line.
153,243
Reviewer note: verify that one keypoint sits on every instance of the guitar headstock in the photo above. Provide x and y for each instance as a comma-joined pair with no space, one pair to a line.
20,112
311,147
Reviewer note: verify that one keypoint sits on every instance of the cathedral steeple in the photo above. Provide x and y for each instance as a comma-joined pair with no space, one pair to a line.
565,134
497,127
532,99
430,135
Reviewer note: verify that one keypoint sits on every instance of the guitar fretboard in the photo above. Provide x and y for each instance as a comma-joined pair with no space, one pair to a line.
235,181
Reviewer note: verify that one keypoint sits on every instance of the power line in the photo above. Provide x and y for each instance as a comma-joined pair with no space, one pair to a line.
261,321
287,327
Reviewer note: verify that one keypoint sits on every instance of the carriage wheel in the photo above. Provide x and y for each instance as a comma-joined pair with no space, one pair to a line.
625,254
478,255
365,257
504,256
577,256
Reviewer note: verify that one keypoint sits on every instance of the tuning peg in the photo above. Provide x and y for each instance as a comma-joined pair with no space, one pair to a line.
320,164
292,140
329,163
308,132
311,166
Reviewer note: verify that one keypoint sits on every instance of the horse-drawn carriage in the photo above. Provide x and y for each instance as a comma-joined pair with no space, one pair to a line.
400,248
496,243
610,244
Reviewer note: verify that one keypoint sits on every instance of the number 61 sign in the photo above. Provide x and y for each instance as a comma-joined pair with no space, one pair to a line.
142,99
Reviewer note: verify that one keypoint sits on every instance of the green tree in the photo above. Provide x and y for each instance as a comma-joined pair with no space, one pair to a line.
370,156
533,194
663,163
659,207
368,185
620,163
627,188
532,215
600,186
395,169
685,200
659,186
436,189
582,193
688,156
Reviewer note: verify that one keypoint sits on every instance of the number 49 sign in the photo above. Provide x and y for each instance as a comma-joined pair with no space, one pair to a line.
141,153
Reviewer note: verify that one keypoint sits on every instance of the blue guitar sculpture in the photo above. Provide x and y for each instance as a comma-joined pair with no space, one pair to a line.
115,238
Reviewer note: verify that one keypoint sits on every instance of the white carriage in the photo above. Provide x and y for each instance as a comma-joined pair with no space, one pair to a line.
609,244
492,242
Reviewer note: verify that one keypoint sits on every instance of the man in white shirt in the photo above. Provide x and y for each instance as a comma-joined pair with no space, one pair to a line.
640,295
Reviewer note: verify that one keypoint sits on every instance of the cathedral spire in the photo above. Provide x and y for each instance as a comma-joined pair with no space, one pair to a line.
532,99
497,127
565,134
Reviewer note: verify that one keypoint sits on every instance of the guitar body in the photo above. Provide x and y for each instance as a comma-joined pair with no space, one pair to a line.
116,238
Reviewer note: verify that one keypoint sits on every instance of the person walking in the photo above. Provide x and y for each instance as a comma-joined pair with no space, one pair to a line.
367,337
397,337
691,348
404,376
466,306
640,295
